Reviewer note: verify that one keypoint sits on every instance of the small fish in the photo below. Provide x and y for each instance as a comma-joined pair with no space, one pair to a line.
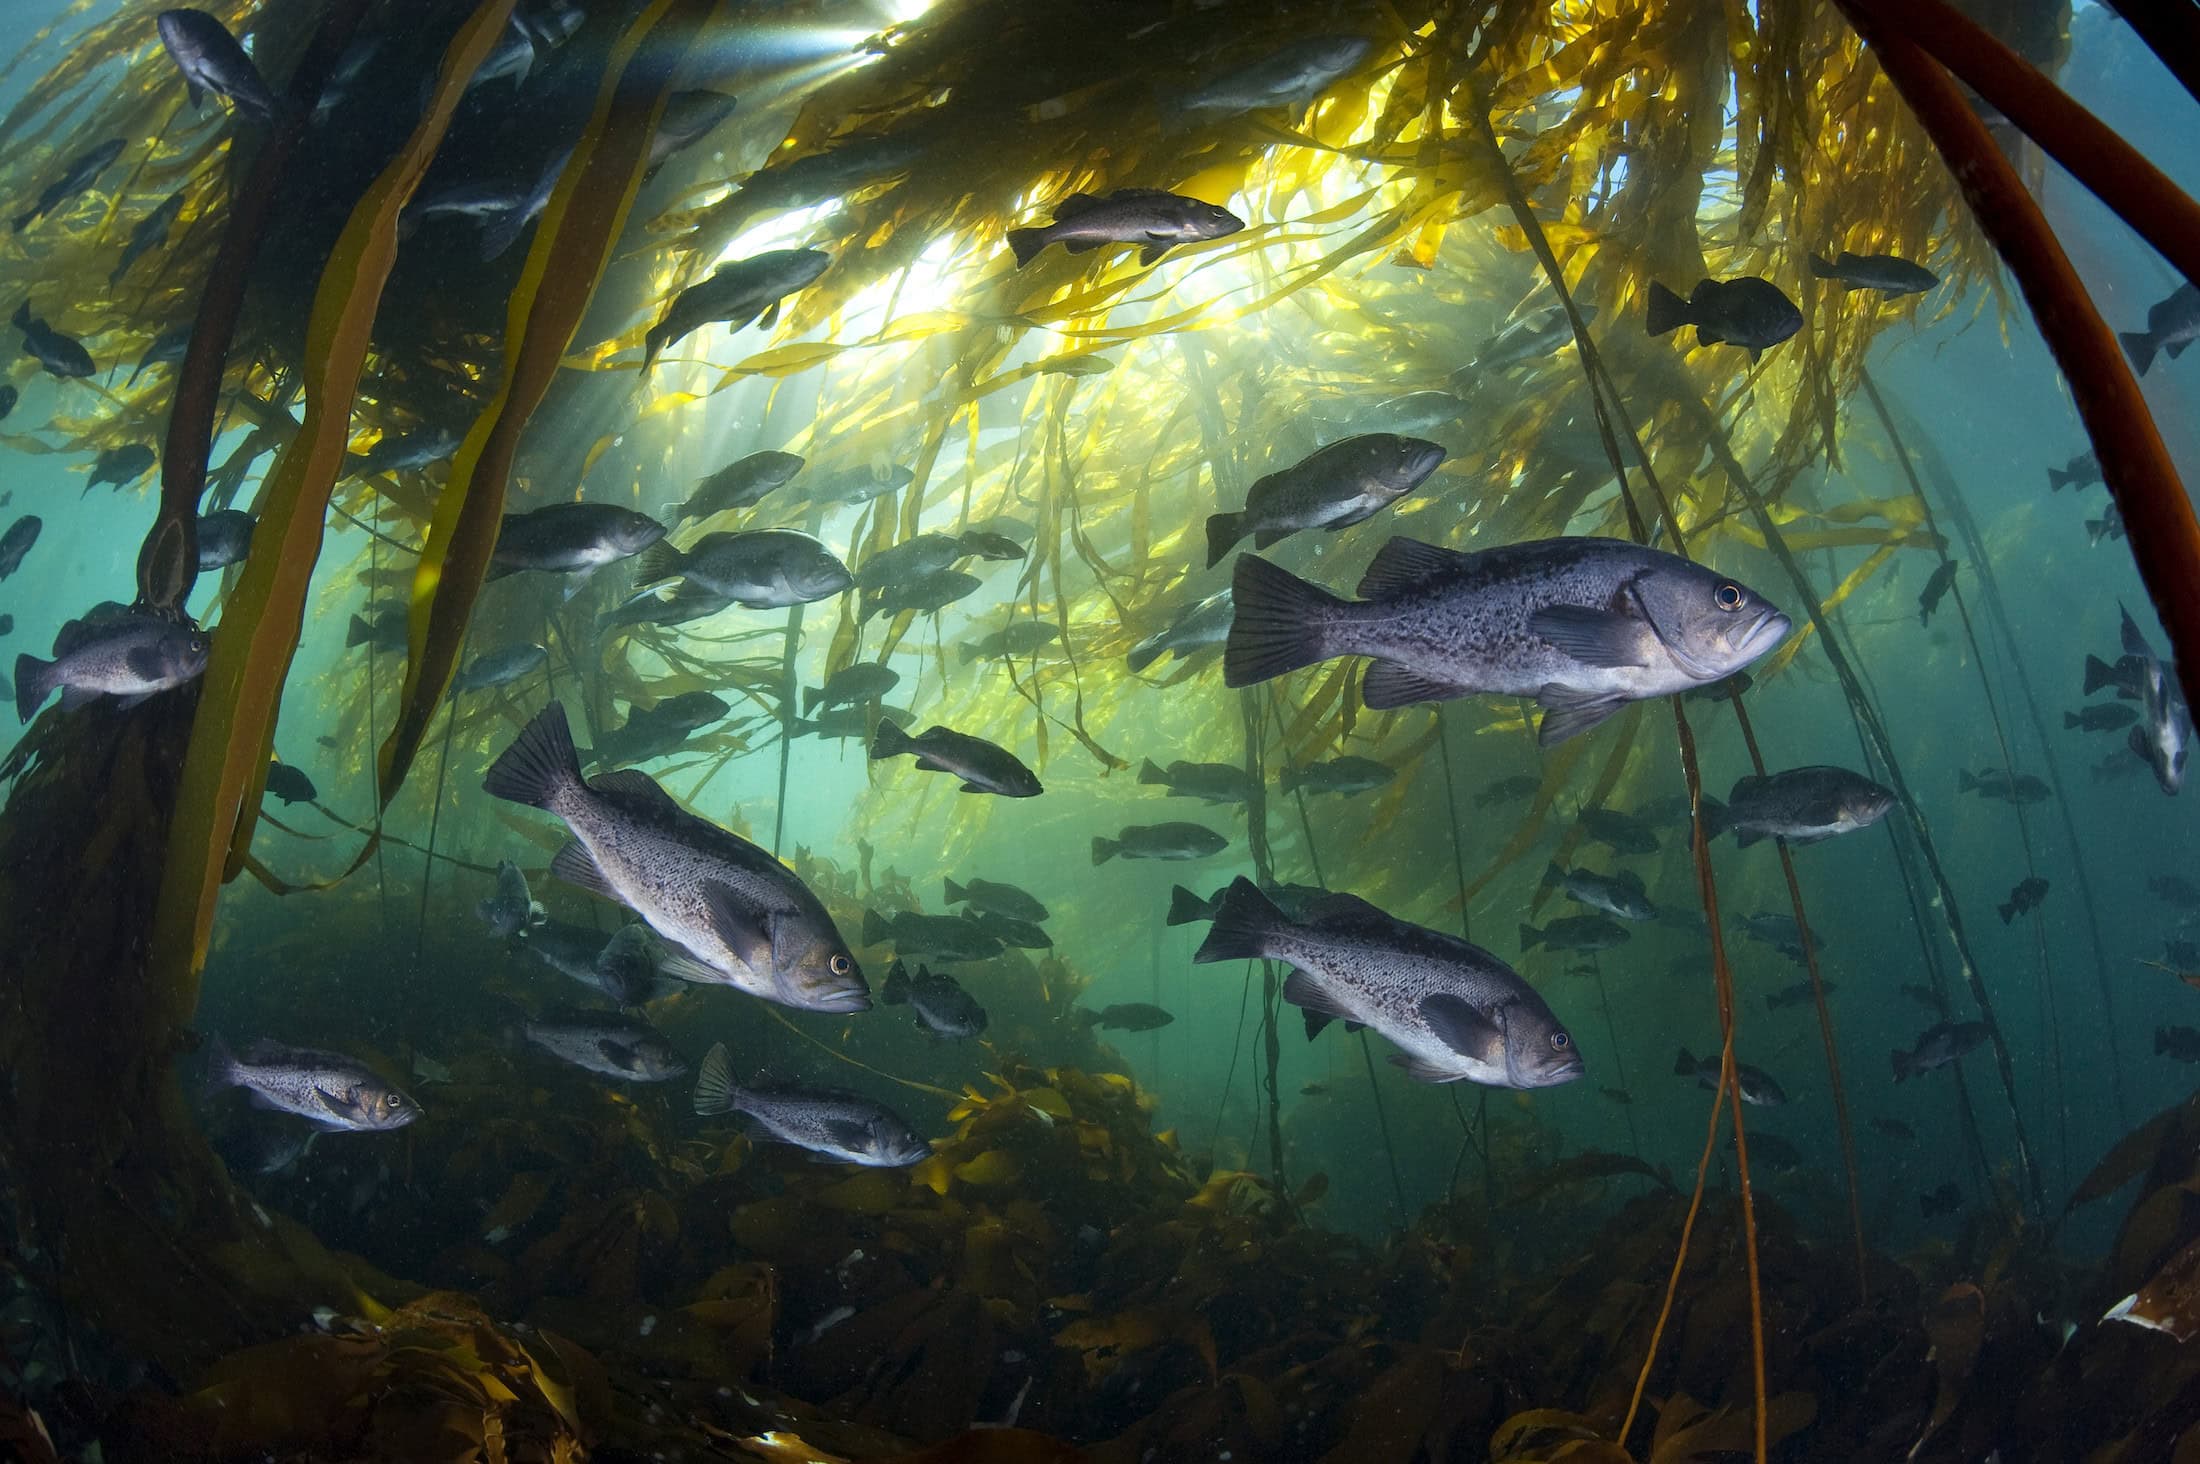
1621,832
985,544
224,538
1585,626
1615,894
2025,896
943,937
863,486
857,721
1209,782
1316,1090
571,538
1894,1128
290,784
17,542
1750,313
1455,1011
1774,1152
1928,599
941,1006
998,899
2173,323
1345,775
62,356
407,453
500,667
212,61
1998,785
1017,638
760,569
1075,366
1340,485
120,466
1782,934
7,627
1936,1047
2080,471
167,349
983,766
728,911
82,172
1757,1085
1526,339
743,483
1199,626
387,631
1149,217
1619,1095
746,290
327,1089
864,681
913,558
512,908
1292,76
1798,995
1024,935
2182,1044
1801,805
2106,529
1924,996
510,59
608,1044
151,233
1881,272
2174,889
114,652
843,1126
1507,790
1944,1199
922,594
1128,1016
680,605
1412,414
2164,736
1575,933
622,967
1173,841
2101,717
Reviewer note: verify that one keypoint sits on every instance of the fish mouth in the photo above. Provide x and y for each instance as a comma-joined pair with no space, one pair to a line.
1771,627
840,999
1766,631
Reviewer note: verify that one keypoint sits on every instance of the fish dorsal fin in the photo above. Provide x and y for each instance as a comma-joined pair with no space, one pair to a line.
577,867
1459,1026
1076,204
1744,786
1340,911
633,783
1388,684
1406,564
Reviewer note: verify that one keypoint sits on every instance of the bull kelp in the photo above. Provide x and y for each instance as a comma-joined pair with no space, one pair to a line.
671,654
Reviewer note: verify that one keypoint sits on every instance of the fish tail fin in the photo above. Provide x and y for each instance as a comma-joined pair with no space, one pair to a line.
2070,720
1684,1065
1223,531
1553,875
1150,775
33,680
1138,658
2098,673
2161,1040
1105,849
2057,479
714,1090
956,894
1664,310
1900,1062
221,1066
890,741
896,989
1186,907
1244,920
1964,781
811,696
877,929
1716,820
1278,623
1086,1016
1026,243
659,561
1821,269
1530,938
540,763
2138,345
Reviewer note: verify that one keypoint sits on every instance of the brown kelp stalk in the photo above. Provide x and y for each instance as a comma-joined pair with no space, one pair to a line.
2158,516
1604,397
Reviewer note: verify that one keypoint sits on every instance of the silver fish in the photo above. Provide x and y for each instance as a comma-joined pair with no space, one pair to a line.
1619,894
1455,1011
326,1089
1584,626
606,1043
512,908
569,538
740,484
941,1006
2164,736
734,914
1152,218
1290,77
843,1126
1800,805
112,652
1340,485
762,569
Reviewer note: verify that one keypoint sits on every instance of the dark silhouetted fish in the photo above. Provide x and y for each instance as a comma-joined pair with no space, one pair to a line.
1756,1084
740,484
736,293
1800,805
1881,272
1127,1016
1749,313
212,61
2173,323
82,172
62,356
1171,841
1936,1047
984,767
760,569
1340,485
941,1006
113,652
571,538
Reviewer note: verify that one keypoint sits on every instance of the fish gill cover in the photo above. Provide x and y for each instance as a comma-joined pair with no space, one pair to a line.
901,506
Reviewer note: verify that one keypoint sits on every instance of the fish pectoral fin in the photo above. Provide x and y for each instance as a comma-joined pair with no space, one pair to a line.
1591,636
769,318
1424,1071
847,1134
577,867
1387,684
744,933
144,663
1569,713
620,1055
338,1107
1459,1026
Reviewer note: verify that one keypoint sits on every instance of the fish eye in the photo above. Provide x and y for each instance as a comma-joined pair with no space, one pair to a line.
842,965
1561,1040
1728,595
